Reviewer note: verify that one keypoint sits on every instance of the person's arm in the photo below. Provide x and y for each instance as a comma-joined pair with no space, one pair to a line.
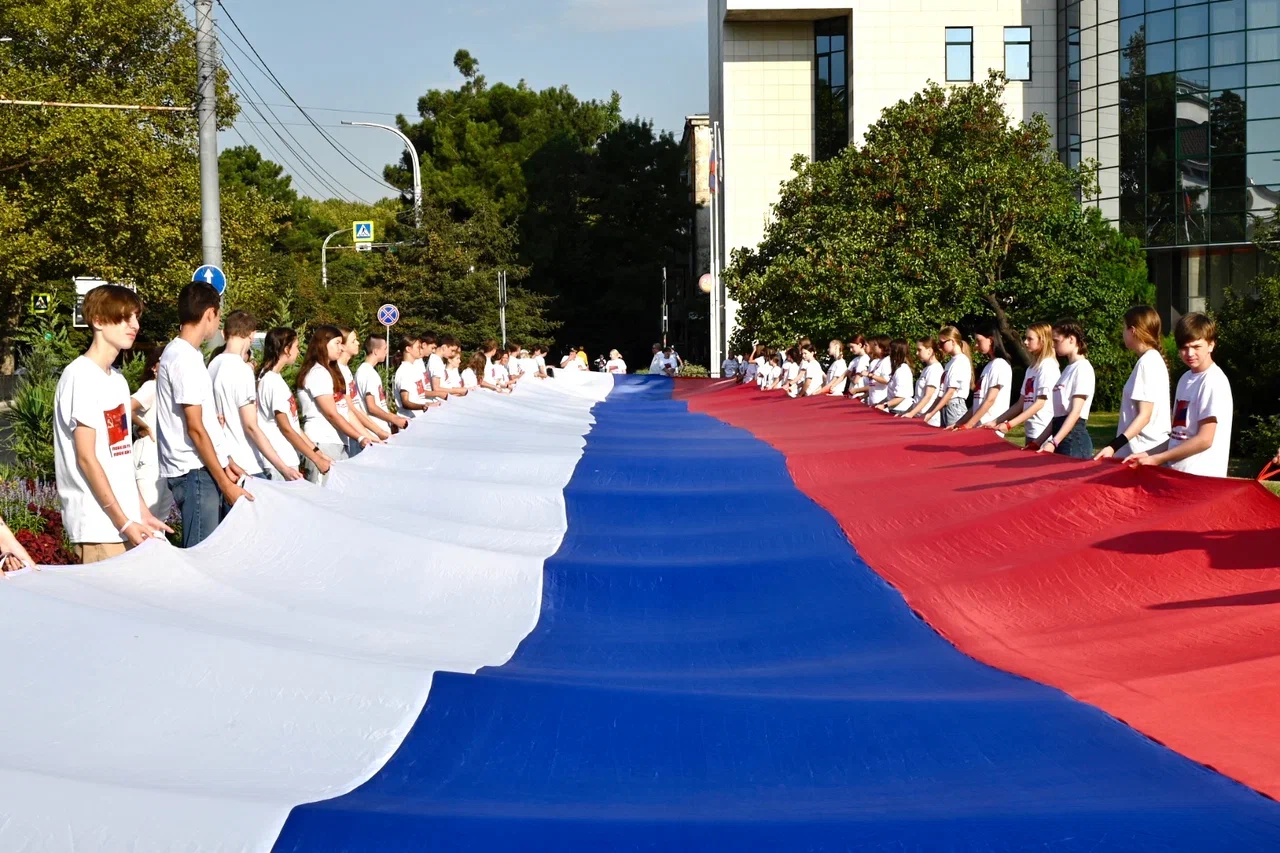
835,380
329,409
890,403
975,418
302,444
406,403
249,420
920,405
12,555
1198,443
203,443
1140,421
1050,445
376,411
440,392
940,403
1012,416
135,407
367,422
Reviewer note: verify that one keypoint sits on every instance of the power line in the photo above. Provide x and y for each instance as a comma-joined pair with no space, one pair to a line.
334,110
337,146
331,184
266,144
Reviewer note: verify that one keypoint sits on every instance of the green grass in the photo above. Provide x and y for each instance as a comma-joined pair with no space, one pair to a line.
1102,428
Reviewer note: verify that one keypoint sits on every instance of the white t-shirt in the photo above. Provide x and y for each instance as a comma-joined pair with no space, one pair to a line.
146,397
750,372
900,386
655,364
354,397
615,365
1077,380
813,377
491,374
469,379
958,375
837,368
412,382
1200,396
791,370
1037,383
772,374
233,387
369,382
274,396
452,378
319,383
435,369
930,377
669,361
540,365
878,391
729,368
528,365
997,372
91,397
1148,383
183,380
859,364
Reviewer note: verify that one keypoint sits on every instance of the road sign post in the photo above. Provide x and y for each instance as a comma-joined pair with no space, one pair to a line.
388,316
41,303
212,276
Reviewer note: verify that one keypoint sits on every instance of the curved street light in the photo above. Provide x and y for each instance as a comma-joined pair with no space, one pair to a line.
413,157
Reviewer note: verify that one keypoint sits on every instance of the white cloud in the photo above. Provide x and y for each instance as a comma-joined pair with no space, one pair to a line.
614,15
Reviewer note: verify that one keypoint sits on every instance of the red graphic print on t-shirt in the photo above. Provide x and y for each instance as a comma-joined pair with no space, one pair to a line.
1180,413
118,431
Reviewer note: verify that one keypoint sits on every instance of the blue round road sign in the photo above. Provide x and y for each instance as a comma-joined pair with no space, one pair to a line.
210,274
388,315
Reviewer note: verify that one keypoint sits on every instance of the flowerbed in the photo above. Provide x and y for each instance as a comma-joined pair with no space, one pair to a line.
32,511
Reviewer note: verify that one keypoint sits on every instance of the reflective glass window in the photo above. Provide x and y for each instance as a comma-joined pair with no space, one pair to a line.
959,54
1225,17
1193,21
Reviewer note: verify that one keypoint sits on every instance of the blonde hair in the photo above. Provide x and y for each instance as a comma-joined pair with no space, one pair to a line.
1044,333
951,333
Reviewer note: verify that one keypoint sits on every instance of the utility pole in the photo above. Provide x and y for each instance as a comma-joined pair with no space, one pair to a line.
207,70
665,325
413,158
502,304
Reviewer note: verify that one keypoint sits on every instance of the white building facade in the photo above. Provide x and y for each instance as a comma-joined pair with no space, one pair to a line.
1189,178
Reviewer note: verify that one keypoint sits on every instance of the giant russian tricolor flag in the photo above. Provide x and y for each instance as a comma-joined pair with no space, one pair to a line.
630,614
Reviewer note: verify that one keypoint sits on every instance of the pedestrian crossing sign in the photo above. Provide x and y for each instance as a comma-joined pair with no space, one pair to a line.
362,232
41,303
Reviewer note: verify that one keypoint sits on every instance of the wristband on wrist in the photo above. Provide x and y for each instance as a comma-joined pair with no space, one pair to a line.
1119,442
1053,439
126,525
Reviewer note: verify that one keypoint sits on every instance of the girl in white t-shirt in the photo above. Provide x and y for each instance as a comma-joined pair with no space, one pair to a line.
322,397
791,371
836,379
991,397
811,376
1144,407
930,380
473,372
278,410
615,364
873,385
146,451
750,367
452,373
957,378
771,376
900,390
1072,395
1032,406
857,364
357,412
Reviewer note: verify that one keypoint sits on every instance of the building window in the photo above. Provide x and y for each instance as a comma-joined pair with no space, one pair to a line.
831,90
959,54
1017,53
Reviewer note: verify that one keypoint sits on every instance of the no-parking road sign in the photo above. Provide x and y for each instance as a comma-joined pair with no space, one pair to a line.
388,315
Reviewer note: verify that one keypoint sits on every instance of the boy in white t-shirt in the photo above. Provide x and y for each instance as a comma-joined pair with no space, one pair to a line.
540,361
438,354
410,384
102,511
1200,442
235,394
193,453
369,385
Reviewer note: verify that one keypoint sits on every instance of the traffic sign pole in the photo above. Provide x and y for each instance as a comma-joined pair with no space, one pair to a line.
388,316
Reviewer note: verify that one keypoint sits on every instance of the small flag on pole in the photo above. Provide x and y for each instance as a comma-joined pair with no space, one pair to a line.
713,178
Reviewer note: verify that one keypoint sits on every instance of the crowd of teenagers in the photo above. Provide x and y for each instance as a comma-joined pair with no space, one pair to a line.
193,431
935,381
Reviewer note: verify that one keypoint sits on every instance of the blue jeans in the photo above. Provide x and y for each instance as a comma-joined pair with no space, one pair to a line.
200,503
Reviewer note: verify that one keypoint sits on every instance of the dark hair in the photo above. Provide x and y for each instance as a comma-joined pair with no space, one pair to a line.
274,346
476,363
513,347
1146,325
1195,327
376,337
882,343
447,341
899,353
346,330
239,324
990,330
149,367
1071,328
427,338
196,298
857,339
318,353
490,345
109,304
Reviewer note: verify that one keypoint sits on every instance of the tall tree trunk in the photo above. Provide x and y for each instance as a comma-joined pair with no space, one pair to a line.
1013,341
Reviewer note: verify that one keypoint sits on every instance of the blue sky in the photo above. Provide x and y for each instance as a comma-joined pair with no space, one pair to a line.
369,60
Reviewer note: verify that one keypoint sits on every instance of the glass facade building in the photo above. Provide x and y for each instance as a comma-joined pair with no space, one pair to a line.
1178,101
830,86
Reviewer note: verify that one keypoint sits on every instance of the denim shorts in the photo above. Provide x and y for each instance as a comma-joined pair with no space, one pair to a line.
1078,444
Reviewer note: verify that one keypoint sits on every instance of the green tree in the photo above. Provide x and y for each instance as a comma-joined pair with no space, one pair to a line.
102,192
948,210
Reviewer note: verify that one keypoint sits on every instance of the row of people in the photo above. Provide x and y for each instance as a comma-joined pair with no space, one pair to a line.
203,428
1188,430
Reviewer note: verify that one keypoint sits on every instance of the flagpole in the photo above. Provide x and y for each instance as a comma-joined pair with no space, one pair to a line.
716,357
720,291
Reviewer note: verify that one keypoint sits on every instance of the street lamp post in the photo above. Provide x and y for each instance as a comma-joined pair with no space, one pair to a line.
413,157
324,257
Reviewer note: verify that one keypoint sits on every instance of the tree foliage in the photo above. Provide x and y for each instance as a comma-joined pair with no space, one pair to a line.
948,211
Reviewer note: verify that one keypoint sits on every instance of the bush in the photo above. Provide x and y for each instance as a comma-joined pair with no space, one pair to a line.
694,370
1249,351
32,511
